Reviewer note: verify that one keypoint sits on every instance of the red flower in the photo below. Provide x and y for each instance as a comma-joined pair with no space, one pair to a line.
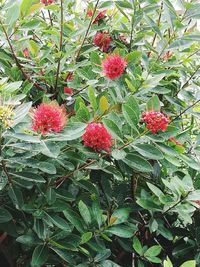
101,15
68,90
26,52
155,121
102,40
48,117
114,66
47,2
97,137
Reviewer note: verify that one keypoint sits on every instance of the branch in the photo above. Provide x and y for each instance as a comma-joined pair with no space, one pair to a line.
87,31
181,200
158,24
61,43
26,77
196,102
61,180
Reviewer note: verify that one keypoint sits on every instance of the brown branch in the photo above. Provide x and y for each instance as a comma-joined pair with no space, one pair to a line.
87,31
61,43
173,206
26,77
61,180
158,24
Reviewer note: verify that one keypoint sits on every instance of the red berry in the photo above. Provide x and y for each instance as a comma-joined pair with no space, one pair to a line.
102,40
48,117
97,137
155,121
114,66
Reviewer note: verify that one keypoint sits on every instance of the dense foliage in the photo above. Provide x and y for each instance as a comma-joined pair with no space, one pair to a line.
99,133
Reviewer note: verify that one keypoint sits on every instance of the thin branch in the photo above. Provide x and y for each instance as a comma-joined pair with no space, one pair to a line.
87,31
61,180
196,102
189,79
26,77
50,18
61,42
173,206
158,24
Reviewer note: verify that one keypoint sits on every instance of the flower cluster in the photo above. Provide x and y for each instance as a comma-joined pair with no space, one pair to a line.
6,116
47,2
102,40
97,137
48,117
155,121
114,66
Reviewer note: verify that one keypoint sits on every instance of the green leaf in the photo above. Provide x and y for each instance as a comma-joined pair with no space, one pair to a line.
59,222
130,116
103,104
92,98
153,251
124,4
29,176
153,104
84,211
121,231
25,7
26,240
132,102
137,246
137,163
154,259
167,263
113,129
83,113
12,14
39,257
189,264
86,237
47,167
5,216
34,48
149,151
65,255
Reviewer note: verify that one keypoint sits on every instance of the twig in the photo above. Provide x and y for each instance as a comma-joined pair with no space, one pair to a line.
173,206
26,77
61,43
87,31
158,24
196,102
61,180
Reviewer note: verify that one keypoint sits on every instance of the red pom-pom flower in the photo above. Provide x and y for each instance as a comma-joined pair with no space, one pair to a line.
97,137
48,118
102,40
114,66
155,121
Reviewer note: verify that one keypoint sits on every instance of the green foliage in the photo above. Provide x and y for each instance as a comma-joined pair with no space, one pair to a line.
64,204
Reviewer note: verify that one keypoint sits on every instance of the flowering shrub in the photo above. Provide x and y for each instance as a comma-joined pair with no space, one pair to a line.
99,133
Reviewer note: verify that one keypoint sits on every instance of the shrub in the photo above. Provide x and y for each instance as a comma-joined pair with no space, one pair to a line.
99,141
